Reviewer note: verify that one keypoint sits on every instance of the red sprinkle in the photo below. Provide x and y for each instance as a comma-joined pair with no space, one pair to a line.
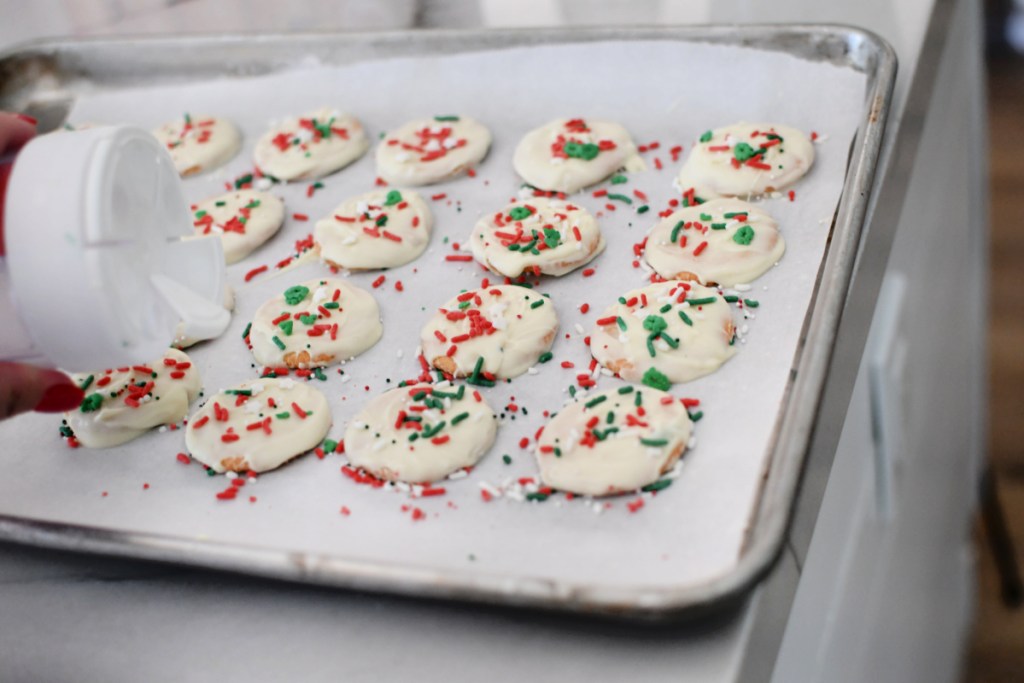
378,282
300,216
254,272
184,459
458,257
438,197
588,272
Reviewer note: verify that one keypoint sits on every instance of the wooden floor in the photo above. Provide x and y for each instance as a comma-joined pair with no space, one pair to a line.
997,645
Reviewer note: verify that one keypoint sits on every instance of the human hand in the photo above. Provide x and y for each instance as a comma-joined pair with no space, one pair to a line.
25,387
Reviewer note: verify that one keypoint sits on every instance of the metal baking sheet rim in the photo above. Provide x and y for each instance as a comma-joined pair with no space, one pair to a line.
849,46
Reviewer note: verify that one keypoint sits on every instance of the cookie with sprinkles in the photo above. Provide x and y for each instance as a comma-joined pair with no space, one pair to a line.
490,334
199,143
567,155
664,333
746,160
541,236
123,404
381,229
258,425
311,146
614,441
722,242
428,151
315,323
421,433
243,220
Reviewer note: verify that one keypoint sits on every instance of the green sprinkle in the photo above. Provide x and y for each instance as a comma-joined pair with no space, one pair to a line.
742,151
518,213
706,217
244,180
332,305
307,319
620,322
685,318
414,436
393,197
658,485
477,368
459,418
751,303
238,392
278,343
255,203
286,326
585,151
319,374
655,379
572,391
537,304
731,298
446,117
620,198
650,344
744,235
552,237
86,383
221,203
618,179
638,399
200,214
66,431
595,401
643,209
545,357
295,295
330,445
671,341
245,332
538,496
654,442
718,226
507,459
91,403
283,416
626,390
695,417
733,214
622,300
701,302
706,137
655,324
674,237
665,309
381,221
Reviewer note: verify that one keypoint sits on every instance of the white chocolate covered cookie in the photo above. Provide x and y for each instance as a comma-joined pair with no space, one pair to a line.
428,151
723,242
199,143
380,229
541,236
665,332
567,155
258,425
745,160
421,433
316,323
243,219
123,404
612,442
311,146
488,334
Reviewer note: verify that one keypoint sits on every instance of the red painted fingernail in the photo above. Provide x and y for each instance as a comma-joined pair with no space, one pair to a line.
60,397
27,119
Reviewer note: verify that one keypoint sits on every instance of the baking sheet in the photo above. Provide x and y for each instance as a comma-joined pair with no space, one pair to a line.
662,91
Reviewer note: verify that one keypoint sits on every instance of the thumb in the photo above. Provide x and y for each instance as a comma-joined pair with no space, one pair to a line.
26,387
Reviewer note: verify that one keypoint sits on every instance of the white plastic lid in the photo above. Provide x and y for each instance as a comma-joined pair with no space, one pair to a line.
100,275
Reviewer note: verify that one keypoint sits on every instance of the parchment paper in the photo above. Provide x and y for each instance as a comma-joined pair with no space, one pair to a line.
661,91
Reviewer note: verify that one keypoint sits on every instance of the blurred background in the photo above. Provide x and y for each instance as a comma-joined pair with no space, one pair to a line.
996,651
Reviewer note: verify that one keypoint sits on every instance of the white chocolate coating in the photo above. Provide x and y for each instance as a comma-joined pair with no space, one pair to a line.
380,229
497,325
563,237
702,346
604,458
311,146
740,243
460,429
428,151
181,338
541,158
718,165
199,143
331,322
243,219
280,420
126,410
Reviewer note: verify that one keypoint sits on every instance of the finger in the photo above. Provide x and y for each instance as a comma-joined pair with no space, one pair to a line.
15,131
26,387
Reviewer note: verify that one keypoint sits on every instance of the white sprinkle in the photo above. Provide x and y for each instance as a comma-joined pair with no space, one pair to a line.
579,329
